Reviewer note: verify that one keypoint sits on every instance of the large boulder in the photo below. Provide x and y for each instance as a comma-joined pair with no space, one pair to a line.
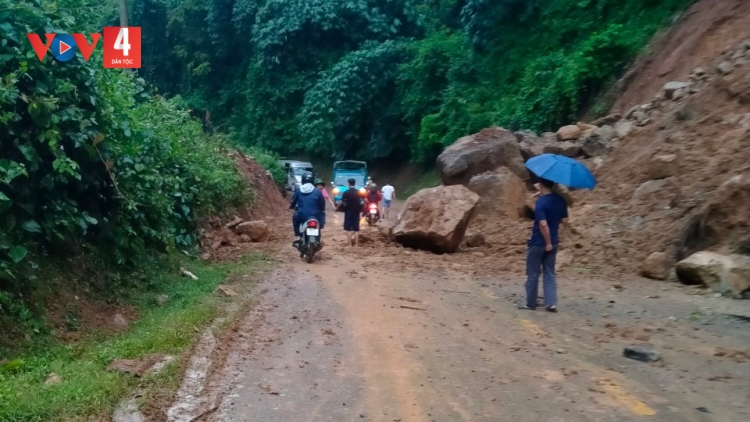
475,154
532,145
586,129
656,266
257,231
598,141
565,148
501,194
521,135
726,274
594,146
435,219
569,133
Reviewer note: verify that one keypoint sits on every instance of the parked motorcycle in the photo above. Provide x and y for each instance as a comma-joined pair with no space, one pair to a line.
310,240
373,214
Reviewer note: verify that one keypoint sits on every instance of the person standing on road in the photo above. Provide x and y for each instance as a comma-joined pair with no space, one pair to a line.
389,194
549,211
322,186
352,207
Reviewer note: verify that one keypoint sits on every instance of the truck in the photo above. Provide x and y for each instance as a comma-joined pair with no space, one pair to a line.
294,171
345,170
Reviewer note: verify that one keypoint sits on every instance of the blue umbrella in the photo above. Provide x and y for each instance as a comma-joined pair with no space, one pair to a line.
563,170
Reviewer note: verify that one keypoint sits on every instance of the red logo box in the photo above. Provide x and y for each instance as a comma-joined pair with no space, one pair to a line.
122,47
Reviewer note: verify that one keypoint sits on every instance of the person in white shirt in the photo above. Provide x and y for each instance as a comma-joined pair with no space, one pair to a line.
389,194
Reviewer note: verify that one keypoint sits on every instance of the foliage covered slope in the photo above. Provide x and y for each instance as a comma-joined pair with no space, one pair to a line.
88,157
390,78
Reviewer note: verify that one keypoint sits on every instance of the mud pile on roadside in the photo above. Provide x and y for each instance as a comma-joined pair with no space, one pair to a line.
252,226
673,176
268,199
674,184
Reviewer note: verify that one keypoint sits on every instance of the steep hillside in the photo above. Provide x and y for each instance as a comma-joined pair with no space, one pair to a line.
674,171
701,34
644,204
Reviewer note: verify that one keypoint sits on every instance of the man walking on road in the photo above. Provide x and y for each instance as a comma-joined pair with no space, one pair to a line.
549,211
351,205
389,194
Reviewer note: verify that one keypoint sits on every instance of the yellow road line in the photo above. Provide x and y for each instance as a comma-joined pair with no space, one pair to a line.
618,393
533,328
610,387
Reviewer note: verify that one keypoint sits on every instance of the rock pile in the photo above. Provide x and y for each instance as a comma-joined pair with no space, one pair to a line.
484,187
665,163
235,232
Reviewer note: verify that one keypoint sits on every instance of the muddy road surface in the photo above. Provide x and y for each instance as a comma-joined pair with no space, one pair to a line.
381,333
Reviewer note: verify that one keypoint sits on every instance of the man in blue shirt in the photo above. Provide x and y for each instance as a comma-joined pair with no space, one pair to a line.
550,210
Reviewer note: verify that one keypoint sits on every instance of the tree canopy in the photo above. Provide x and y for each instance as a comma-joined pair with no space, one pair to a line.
396,79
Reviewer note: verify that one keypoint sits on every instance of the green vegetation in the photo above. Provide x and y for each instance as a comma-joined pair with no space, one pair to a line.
121,161
397,79
428,179
87,388
115,166
90,157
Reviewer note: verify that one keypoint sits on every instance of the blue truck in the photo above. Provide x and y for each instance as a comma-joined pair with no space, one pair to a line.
345,170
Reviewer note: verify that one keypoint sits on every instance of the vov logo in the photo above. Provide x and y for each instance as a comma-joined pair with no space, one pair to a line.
122,46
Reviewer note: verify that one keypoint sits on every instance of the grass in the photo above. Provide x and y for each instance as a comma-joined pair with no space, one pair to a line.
87,388
428,179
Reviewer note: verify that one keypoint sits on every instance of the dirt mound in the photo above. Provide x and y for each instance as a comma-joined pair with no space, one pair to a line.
228,237
642,205
674,166
703,33
268,199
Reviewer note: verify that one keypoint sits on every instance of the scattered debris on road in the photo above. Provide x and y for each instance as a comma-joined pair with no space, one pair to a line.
643,353
411,307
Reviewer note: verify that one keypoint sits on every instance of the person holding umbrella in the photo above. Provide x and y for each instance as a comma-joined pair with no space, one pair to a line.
550,210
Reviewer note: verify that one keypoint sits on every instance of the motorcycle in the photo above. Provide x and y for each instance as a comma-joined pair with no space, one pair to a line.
373,214
310,240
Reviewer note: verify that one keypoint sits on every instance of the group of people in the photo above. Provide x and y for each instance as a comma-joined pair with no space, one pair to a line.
550,212
309,201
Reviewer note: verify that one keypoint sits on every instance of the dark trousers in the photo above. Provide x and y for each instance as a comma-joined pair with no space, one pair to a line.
538,262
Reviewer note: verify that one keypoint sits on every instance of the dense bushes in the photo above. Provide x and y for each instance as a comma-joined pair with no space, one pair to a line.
398,79
87,155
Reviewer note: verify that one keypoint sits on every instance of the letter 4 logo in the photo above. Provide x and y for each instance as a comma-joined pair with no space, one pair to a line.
122,46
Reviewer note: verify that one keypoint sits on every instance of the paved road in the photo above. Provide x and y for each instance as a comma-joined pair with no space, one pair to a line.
383,334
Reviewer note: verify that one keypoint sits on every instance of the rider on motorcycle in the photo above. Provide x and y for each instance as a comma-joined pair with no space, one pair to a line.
308,202
373,196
